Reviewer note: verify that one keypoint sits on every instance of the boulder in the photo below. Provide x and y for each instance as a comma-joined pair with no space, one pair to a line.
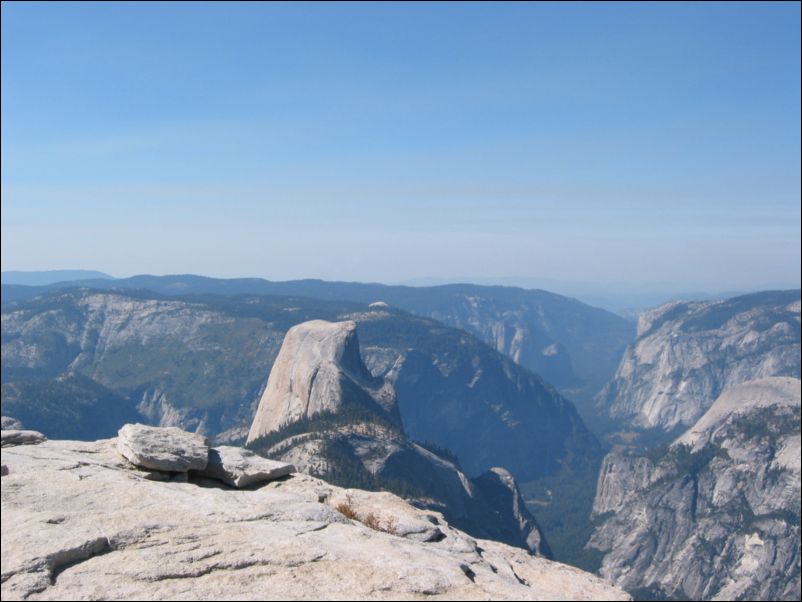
240,467
14,437
163,448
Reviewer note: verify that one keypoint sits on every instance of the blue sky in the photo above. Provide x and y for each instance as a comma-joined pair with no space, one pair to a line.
386,142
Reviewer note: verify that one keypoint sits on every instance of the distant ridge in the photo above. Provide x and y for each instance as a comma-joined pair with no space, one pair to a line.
46,277
574,346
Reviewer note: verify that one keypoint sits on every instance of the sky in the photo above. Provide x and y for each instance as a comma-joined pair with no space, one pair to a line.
589,142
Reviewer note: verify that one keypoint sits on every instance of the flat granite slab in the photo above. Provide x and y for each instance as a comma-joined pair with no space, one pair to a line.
163,448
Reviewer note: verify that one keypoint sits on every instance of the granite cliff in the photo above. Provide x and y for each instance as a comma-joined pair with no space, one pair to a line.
687,353
715,515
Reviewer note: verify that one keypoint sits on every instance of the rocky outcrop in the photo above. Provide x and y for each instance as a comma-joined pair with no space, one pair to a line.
160,450
80,522
620,474
748,398
11,437
318,369
714,516
687,354
168,449
157,409
241,467
498,489
328,417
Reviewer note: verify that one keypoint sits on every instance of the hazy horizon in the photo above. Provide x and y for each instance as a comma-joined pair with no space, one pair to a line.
425,280
578,143
620,297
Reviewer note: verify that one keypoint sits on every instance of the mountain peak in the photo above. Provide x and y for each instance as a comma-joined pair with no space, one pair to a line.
318,369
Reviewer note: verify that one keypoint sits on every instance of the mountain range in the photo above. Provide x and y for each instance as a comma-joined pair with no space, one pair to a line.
461,399
572,345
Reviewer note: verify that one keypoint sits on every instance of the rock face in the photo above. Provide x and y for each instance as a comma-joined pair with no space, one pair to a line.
79,522
241,467
499,489
79,365
716,515
490,413
572,345
748,398
168,449
328,417
620,474
318,369
687,354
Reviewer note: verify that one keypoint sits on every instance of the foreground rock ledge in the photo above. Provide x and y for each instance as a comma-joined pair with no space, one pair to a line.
81,523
